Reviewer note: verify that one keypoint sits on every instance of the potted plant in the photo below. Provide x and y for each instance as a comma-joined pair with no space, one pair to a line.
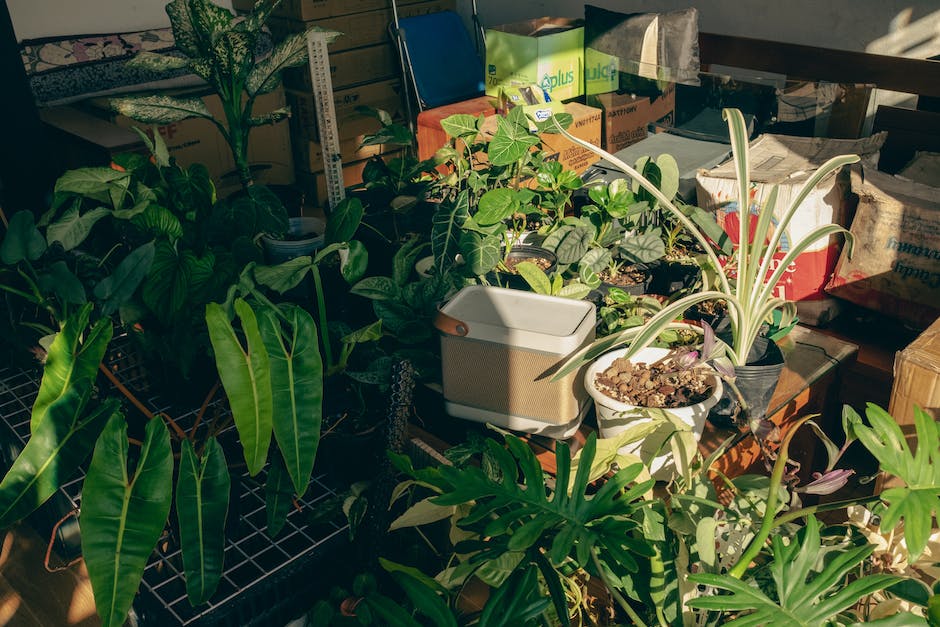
745,282
487,204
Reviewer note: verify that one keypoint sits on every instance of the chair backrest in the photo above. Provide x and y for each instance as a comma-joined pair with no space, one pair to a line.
439,59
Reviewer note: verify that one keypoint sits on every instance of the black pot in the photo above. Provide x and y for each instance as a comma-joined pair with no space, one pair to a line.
756,380
670,277
634,289
521,252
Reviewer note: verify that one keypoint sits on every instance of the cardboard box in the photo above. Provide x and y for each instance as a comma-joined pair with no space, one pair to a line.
359,29
197,140
822,109
788,162
627,117
547,51
306,10
894,267
431,136
386,95
349,68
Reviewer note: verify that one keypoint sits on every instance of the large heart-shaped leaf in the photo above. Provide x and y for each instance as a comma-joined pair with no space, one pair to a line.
159,221
124,514
495,206
62,282
344,221
202,496
643,248
297,388
95,183
575,244
246,377
174,279
72,228
22,240
512,139
481,254
461,125
115,290
73,359
56,448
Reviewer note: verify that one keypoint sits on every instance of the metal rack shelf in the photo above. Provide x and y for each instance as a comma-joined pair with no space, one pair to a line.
265,580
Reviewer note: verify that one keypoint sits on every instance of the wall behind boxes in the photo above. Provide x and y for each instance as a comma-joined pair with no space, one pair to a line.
364,71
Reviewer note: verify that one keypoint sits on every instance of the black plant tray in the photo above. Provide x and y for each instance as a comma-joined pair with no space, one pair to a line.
265,581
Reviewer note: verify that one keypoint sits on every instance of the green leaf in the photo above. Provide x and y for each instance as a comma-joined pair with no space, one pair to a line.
72,360
669,175
425,599
481,254
446,226
422,513
644,248
95,183
71,229
344,221
56,447
376,288
123,515
154,62
574,244
534,276
202,496
353,261
461,125
159,221
512,140
115,290
161,109
919,499
297,388
284,276
266,75
278,496
495,206
174,280
62,282
22,241
246,377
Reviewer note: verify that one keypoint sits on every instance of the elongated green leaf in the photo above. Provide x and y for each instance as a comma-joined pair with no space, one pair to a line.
202,495
534,276
284,276
445,230
117,289
124,514
344,221
425,599
297,388
160,109
72,360
56,448
22,240
278,496
376,288
246,377
72,228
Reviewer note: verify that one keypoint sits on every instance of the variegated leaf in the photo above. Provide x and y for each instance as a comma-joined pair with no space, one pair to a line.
270,118
266,75
233,54
145,60
161,109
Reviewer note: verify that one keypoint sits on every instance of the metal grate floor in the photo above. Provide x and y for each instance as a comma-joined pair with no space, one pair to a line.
253,561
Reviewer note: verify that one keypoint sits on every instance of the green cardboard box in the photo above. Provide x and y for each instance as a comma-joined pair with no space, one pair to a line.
547,51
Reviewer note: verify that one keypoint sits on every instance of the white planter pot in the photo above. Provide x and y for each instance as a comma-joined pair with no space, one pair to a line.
614,417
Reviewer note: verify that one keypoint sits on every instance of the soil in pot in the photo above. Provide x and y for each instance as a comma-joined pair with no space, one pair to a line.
506,270
663,383
632,279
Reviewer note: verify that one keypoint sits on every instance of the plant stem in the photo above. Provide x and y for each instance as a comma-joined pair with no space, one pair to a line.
768,522
140,406
622,602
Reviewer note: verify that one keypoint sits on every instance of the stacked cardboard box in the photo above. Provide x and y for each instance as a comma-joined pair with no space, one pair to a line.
364,72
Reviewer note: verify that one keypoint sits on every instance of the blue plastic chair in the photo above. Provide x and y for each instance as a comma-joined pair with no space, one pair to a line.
439,59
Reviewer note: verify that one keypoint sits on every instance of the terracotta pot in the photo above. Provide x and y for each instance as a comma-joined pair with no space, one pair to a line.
614,417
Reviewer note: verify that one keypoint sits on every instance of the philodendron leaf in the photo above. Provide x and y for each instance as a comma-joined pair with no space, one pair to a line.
71,229
246,377
297,388
574,244
480,253
278,496
495,206
123,514
56,448
202,496
115,290
22,240
173,279
284,276
73,359
512,139
353,261
644,248
95,183
161,109
62,282
918,501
